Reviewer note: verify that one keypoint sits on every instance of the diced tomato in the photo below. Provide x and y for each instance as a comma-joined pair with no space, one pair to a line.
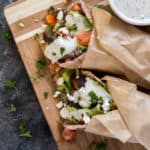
54,67
84,38
69,135
77,7
51,19
75,83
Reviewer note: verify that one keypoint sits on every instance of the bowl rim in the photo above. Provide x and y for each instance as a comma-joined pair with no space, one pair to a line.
127,19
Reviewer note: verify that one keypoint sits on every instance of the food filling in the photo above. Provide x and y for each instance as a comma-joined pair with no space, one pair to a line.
84,97
67,33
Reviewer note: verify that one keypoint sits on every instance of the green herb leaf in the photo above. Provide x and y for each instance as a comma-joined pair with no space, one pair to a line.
23,130
77,72
61,26
49,29
7,36
94,111
45,95
12,108
62,50
106,88
36,36
99,5
94,97
40,65
82,48
54,54
74,120
26,134
51,9
11,85
71,109
73,28
67,74
101,146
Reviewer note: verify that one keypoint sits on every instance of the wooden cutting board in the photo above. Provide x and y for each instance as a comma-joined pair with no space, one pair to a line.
31,13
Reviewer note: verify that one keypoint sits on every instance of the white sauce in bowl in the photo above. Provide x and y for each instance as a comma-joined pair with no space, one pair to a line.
135,9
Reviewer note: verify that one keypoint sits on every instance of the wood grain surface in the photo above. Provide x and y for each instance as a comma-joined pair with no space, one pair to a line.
28,11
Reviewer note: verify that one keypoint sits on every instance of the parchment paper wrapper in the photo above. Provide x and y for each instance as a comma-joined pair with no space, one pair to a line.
128,45
110,125
133,125
134,107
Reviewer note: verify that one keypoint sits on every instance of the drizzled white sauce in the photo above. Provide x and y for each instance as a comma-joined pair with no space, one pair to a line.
52,51
85,99
135,9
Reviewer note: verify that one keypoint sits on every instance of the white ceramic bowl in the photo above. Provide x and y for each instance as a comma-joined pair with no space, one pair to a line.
127,19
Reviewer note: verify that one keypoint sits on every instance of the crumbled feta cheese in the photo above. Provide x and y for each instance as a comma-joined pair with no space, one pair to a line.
56,94
86,118
78,19
60,105
106,106
68,43
64,30
42,41
82,95
60,15
77,114
36,20
44,27
70,97
60,81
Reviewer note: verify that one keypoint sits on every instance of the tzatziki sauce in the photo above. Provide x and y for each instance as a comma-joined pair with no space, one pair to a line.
135,9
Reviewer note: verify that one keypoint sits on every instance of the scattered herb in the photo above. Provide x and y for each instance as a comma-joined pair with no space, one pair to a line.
94,97
12,108
94,111
71,109
36,36
49,29
7,36
45,95
11,85
101,146
82,48
99,5
88,25
77,72
33,79
67,74
24,132
40,65
74,120
62,50
51,9
61,25
54,54
73,28
79,98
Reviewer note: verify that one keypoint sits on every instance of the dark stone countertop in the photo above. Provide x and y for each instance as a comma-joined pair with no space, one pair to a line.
28,108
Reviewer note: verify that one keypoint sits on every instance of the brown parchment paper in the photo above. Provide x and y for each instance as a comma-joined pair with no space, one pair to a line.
127,44
134,107
110,125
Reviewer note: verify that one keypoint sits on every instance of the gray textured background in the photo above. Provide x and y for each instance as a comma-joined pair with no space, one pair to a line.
11,67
